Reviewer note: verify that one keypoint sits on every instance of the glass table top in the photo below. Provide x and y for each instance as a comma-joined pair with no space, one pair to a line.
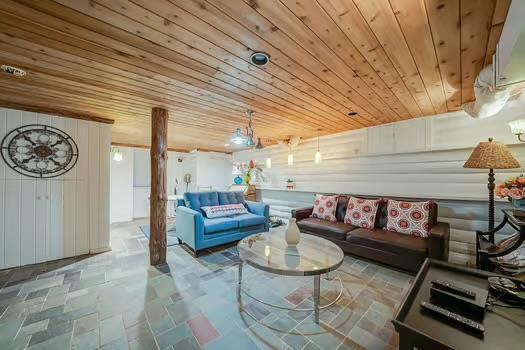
269,251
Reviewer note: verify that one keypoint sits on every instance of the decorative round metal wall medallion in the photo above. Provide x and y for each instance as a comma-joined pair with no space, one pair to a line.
39,151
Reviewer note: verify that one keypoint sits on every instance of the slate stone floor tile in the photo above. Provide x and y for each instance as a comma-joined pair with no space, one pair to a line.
173,336
114,300
202,329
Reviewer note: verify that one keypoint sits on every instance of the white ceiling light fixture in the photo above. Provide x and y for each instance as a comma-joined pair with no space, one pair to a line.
237,137
318,159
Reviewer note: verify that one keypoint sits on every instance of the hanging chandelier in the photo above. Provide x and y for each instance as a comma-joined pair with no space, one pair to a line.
246,139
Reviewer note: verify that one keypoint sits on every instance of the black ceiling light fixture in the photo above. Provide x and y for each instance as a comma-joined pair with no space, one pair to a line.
260,58
352,114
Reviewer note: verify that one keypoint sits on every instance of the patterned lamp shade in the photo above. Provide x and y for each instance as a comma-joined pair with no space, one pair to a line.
491,155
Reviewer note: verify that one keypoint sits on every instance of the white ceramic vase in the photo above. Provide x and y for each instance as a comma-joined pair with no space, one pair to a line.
292,234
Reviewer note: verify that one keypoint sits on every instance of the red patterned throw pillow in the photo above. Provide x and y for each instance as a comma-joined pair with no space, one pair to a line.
324,207
361,212
411,218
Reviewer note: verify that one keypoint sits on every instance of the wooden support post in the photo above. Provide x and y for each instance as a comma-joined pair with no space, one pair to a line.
158,195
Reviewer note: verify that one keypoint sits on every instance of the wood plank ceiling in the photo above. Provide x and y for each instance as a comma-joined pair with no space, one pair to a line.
387,60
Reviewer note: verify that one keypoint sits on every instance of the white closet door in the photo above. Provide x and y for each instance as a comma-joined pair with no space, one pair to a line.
12,192
70,213
28,199
42,221
82,218
56,219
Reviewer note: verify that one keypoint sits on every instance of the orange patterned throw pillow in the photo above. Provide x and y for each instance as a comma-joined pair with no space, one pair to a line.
410,218
324,207
361,212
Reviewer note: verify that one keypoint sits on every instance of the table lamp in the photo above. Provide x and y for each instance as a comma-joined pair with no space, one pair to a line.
491,155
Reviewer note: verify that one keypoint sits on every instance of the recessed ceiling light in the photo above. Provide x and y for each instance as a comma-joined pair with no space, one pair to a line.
351,114
226,145
17,72
260,58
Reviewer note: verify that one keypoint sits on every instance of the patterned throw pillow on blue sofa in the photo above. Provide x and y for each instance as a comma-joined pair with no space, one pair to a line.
218,211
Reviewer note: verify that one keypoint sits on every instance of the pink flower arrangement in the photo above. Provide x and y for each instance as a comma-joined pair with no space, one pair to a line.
512,188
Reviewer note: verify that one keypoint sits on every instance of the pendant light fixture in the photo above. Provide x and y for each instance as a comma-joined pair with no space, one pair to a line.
318,159
237,137
290,158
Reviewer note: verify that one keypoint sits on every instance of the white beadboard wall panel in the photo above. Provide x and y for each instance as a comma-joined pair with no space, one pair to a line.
104,179
94,179
420,158
28,222
47,219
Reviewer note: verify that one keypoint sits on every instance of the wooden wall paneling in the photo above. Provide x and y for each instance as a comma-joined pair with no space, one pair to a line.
70,218
94,186
418,37
383,23
352,23
313,16
498,20
104,178
234,88
444,19
476,19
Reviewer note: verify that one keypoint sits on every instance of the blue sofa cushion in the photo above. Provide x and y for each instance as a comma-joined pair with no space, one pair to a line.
219,224
196,200
249,219
231,197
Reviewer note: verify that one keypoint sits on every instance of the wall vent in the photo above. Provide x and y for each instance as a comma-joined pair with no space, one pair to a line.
17,72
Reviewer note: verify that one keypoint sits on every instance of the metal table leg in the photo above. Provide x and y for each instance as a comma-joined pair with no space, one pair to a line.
317,295
239,282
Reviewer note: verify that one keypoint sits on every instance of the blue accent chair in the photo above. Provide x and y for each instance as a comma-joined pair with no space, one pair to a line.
199,232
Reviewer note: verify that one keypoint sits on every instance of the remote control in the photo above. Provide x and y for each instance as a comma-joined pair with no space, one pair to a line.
454,289
453,316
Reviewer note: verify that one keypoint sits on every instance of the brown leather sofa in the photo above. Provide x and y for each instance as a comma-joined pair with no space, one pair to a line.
406,252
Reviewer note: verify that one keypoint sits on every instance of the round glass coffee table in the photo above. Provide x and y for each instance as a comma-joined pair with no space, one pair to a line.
313,256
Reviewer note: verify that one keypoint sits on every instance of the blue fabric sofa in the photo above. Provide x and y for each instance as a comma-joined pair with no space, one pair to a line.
199,232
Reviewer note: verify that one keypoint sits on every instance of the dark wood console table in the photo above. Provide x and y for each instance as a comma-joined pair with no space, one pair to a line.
486,249
505,327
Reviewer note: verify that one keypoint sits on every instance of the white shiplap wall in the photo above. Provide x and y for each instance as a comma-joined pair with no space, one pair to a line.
43,220
419,158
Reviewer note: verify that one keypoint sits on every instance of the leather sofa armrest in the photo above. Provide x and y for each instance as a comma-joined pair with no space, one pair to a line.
438,241
302,213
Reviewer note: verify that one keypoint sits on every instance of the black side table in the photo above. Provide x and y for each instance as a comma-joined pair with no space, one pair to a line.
505,326
487,249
